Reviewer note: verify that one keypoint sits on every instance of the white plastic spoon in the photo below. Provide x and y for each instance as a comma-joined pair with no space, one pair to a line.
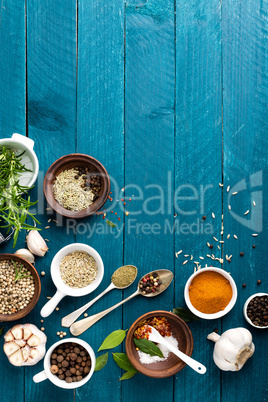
154,336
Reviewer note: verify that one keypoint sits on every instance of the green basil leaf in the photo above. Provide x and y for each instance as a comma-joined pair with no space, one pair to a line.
122,361
113,340
127,375
148,347
1,330
185,314
101,361
113,225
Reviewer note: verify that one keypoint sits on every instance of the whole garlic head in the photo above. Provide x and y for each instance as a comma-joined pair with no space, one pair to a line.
232,349
25,345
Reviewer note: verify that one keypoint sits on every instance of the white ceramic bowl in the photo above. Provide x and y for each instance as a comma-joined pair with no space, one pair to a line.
62,288
46,373
21,143
220,313
245,310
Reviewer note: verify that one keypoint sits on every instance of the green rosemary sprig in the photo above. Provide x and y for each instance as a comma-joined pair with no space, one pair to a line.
18,273
14,207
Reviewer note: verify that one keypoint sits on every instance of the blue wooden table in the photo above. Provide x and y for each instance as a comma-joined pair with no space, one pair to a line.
172,98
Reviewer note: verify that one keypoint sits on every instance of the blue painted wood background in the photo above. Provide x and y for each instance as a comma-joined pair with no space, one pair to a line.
172,98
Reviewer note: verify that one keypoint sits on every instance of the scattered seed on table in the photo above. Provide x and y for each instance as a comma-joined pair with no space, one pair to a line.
43,273
253,246
254,203
201,258
48,297
209,256
216,330
42,329
186,255
228,188
58,333
57,308
127,213
235,237
215,238
220,184
64,333
228,236
234,193
246,212
218,247
244,285
254,234
241,254
184,262
41,320
86,315
49,220
61,336
47,227
213,215
258,282
204,217
229,206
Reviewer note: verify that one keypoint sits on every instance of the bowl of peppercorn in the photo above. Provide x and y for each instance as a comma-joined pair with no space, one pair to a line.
69,364
20,287
76,185
256,310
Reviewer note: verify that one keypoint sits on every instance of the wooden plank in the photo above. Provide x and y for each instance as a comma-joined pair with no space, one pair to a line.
51,62
245,100
12,67
149,165
100,129
198,160
12,119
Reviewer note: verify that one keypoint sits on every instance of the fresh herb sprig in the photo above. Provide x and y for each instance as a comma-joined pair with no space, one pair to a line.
14,208
18,273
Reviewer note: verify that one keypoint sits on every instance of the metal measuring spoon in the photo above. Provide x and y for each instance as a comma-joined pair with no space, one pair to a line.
70,318
165,276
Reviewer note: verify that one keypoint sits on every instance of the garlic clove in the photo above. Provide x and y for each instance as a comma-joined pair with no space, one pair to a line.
10,347
16,358
26,254
34,341
9,337
34,353
20,342
26,332
17,332
36,243
25,352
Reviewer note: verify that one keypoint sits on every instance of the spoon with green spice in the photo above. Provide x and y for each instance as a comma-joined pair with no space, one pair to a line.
122,278
164,278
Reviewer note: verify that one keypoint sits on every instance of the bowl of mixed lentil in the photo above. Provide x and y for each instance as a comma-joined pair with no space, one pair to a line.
256,310
173,329
20,287
76,185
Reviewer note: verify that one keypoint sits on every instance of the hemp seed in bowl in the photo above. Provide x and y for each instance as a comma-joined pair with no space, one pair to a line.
16,286
78,269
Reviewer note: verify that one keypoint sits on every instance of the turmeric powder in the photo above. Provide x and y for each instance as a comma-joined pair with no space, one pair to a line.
210,292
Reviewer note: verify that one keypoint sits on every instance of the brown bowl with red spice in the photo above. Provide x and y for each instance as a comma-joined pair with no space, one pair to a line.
210,293
171,325
70,183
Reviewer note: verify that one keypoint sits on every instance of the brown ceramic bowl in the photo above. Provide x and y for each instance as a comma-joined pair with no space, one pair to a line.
68,162
172,364
37,283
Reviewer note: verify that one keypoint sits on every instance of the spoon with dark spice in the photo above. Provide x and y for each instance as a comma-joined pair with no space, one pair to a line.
122,278
150,285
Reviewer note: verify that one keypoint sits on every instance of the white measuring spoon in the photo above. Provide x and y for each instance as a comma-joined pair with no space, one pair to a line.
72,317
154,336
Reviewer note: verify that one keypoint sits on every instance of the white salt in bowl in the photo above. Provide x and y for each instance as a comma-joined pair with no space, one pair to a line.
221,313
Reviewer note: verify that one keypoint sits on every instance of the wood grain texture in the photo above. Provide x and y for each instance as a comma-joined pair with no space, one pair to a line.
51,62
198,161
149,164
100,133
12,119
12,68
245,101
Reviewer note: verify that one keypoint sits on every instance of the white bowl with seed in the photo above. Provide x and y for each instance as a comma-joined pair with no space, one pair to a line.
76,270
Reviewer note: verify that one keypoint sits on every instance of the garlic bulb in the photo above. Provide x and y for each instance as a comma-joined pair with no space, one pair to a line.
232,349
36,244
26,254
25,345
